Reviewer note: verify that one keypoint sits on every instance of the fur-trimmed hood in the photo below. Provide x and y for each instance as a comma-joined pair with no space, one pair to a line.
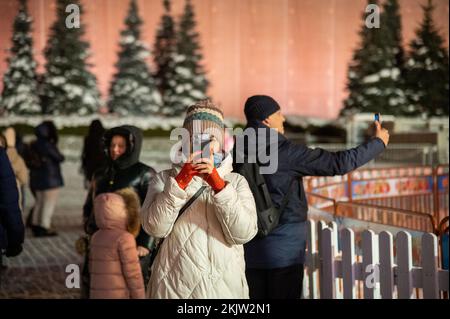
119,210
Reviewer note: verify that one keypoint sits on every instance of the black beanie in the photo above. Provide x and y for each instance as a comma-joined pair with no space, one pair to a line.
260,107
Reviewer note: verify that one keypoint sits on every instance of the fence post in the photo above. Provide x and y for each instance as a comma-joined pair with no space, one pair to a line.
348,263
328,272
349,187
435,194
321,225
370,265
386,265
334,229
311,257
430,266
404,265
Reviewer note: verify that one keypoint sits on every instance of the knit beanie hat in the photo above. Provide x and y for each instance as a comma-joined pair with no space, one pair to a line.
260,107
205,117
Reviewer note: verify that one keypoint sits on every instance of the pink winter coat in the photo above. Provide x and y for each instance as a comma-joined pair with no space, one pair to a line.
113,259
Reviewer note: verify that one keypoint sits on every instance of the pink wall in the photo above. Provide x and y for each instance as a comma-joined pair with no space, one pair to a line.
294,50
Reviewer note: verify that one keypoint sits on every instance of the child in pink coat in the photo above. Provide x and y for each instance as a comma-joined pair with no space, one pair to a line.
114,263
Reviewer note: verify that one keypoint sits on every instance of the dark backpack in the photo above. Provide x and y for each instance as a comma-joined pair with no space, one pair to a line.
268,215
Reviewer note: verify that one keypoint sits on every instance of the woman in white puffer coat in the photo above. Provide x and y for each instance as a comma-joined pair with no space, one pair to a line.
202,255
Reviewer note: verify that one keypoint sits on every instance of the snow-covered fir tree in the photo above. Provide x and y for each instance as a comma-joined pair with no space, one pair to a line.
392,20
19,95
374,77
164,54
133,89
191,79
68,86
427,68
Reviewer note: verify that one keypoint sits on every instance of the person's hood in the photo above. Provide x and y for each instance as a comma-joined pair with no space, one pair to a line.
42,131
133,137
110,211
119,210
10,136
47,131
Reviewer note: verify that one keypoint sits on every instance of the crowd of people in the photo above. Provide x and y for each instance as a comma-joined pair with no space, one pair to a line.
191,231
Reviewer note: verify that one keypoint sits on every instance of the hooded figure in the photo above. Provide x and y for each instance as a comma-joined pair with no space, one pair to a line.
202,255
48,174
122,172
113,260
45,177
93,156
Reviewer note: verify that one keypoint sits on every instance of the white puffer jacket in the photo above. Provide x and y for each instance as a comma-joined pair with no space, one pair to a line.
202,255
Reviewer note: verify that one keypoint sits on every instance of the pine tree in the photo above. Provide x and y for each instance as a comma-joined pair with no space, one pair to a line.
374,77
427,69
191,79
19,82
133,88
393,86
392,20
68,86
164,54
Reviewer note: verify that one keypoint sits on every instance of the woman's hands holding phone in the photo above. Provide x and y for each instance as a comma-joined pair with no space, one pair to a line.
205,168
196,165
188,172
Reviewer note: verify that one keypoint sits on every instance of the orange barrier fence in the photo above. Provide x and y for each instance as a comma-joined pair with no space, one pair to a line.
396,217
413,197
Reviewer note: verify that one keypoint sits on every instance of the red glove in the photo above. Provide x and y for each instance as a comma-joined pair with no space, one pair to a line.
185,176
215,181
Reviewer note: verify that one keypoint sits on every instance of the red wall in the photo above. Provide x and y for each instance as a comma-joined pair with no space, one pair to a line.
294,50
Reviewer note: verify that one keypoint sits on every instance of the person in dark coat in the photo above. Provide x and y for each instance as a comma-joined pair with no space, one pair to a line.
45,177
274,264
123,147
93,156
12,230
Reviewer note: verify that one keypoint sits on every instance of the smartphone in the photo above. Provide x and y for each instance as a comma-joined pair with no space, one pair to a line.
200,142
377,117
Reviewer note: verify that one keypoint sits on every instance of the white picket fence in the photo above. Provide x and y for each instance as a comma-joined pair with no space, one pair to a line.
332,273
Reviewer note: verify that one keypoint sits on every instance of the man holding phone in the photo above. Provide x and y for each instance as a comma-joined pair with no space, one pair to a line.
274,264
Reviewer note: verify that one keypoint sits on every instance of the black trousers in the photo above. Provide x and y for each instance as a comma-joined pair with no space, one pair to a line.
279,283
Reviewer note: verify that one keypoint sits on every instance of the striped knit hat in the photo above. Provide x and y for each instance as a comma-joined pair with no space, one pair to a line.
205,117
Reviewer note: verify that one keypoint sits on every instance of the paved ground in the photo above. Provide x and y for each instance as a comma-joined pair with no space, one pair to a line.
39,272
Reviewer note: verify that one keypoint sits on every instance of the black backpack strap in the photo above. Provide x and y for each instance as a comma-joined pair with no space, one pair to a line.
286,198
190,201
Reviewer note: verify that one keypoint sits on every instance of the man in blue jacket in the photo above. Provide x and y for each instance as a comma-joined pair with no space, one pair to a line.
275,262
12,230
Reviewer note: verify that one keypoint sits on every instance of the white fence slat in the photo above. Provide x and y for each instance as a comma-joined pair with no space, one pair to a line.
335,239
328,273
443,280
417,280
404,265
334,272
370,265
312,250
321,225
348,263
386,265
430,266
